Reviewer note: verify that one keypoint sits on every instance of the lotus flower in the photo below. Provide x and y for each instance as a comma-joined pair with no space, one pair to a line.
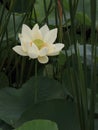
38,43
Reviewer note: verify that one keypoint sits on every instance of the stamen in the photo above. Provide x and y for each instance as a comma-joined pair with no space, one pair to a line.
39,43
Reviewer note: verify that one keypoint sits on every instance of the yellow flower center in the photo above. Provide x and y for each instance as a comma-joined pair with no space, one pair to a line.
39,43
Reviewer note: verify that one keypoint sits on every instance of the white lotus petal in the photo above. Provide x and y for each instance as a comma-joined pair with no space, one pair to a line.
55,49
53,53
43,59
43,51
26,32
25,28
44,30
34,47
51,36
24,43
24,38
18,50
36,26
36,33
33,55
59,46
20,35
33,51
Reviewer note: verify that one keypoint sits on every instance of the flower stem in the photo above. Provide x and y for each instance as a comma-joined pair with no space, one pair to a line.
36,84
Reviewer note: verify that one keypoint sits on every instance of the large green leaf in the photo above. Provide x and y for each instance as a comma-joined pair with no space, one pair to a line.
61,111
13,102
38,125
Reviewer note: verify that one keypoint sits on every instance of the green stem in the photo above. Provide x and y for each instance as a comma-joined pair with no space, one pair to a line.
93,72
45,10
36,84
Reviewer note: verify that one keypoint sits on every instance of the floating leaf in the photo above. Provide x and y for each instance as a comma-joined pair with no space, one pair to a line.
38,125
